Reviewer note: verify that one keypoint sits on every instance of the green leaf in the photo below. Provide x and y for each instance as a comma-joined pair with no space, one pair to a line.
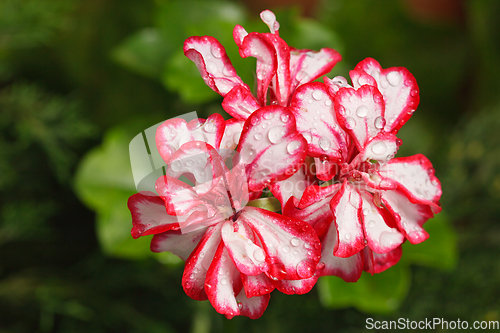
145,52
381,293
439,251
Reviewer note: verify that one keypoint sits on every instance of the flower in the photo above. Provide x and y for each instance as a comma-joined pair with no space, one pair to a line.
324,150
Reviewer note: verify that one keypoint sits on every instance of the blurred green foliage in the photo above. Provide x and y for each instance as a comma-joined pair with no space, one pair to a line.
79,79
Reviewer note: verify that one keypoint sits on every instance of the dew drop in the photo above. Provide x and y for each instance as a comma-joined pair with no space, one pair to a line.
379,122
189,163
342,110
210,127
255,121
292,147
305,269
276,134
307,136
324,143
268,115
414,93
284,118
223,281
285,249
176,165
379,148
259,255
394,78
240,305
371,224
362,111
228,71
211,67
248,154
295,241
328,102
317,95
347,236
350,123
377,98
366,211
258,136
215,50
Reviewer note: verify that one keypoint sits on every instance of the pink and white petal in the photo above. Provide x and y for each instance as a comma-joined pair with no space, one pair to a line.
223,283
346,208
292,247
149,215
360,112
254,307
175,241
349,269
269,19
409,217
240,103
257,285
237,186
179,198
210,130
308,65
297,287
400,91
415,178
377,263
314,208
313,109
360,78
170,136
293,186
381,148
257,45
281,81
239,240
270,146
198,263
231,137
326,170
239,34
381,237
213,63
334,85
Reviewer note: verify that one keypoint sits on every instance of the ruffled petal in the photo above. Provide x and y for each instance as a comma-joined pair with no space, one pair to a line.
195,270
415,177
213,63
291,246
149,215
377,263
409,216
346,208
231,137
223,283
400,91
381,148
254,307
240,103
173,133
297,287
308,65
175,241
293,186
360,112
281,81
270,146
179,198
381,238
313,109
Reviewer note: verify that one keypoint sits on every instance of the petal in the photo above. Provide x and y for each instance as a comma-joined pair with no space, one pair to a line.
346,207
292,247
149,215
293,186
231,137
195,270
377,263
240,103
223,283
400,91
257,285
213,63
381,238
179,198
281,81
175,241
334,85
326,170
409,216
297,287
381,148
257,45
270,146
360,112
415,177
254,307
314,208
308,65
173,133
313,109
239,241
360,78
349,269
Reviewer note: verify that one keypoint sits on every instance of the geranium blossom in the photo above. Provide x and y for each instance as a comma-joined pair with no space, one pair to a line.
324,150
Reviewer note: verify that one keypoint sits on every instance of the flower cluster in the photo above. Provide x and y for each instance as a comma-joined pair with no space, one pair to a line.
324,149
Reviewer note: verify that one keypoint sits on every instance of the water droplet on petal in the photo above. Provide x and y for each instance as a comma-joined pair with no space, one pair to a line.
394,78
292,147
414,93
176,165
362,111
324,143
248,154
295,241
366,211
268,115
223,281
240,305
328,102
347,236
379,122
215,50
255,120
371,224
305,269
258,136
189,163
317,95
210,127
285,249
285,118
276,134
379,148
350,123
259,255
